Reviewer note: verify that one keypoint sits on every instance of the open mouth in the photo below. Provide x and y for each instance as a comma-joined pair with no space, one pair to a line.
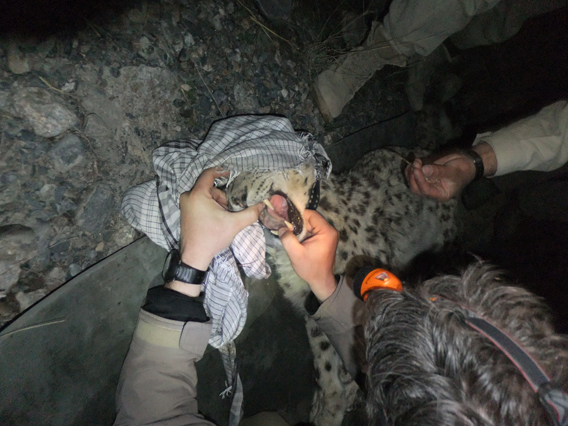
280,212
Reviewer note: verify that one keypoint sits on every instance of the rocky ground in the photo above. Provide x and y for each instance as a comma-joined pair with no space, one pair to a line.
82,110
82,107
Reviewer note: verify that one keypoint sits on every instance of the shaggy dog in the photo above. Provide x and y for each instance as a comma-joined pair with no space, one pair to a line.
426,366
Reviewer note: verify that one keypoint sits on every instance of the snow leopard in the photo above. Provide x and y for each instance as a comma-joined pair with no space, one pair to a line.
375,215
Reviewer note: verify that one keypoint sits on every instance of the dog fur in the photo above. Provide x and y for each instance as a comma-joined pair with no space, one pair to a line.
428,367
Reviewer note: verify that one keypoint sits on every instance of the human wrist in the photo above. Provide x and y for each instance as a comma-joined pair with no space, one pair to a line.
195,257
184,273
191,290
475,163
488,157
324,288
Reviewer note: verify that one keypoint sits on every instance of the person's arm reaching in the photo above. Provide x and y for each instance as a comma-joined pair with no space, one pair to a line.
158,380
442,177
332,304
539,142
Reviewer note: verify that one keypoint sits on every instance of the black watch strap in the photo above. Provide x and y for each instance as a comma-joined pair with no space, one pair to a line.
477,161
175,269
189,275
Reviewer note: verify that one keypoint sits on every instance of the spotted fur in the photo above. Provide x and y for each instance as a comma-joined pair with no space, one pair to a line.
376,215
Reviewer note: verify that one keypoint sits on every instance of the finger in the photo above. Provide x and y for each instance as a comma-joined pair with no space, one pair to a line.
221,171
428,189
419,179
220,197
407,171
319,227
412,183
423,186
440,158
290,243
428,171
435,172
206,179
416,164
247,216
445,159
315,219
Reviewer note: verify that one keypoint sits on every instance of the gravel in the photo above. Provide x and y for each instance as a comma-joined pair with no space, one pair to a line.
82,108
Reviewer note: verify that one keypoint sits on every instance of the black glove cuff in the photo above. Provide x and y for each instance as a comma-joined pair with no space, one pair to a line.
173,305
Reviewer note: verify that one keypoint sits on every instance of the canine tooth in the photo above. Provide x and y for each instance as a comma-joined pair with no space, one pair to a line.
274,232
268,204
289,225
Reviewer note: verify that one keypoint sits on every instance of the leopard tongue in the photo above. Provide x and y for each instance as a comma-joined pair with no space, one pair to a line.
280,206
276,217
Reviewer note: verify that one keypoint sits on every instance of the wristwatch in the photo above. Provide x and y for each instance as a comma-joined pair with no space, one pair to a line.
175,269
477,162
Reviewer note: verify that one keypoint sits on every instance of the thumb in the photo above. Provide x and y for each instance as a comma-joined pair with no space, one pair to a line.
428,170
289,241
434,171
249,215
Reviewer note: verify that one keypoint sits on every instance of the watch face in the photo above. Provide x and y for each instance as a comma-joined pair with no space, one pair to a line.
170,265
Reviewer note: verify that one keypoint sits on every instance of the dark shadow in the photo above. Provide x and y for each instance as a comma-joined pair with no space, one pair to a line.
42,18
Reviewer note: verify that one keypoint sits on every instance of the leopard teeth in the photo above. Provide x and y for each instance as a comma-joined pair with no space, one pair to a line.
289,225
268,204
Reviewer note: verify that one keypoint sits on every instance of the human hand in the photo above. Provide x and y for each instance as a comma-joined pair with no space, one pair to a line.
207,227
443,177
313,258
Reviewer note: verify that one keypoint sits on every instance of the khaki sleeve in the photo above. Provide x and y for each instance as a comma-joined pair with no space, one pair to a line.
158,380
538,142
339,317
